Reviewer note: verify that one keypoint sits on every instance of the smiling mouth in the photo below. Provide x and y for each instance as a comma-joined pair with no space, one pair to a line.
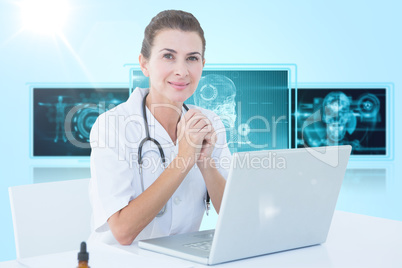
178,85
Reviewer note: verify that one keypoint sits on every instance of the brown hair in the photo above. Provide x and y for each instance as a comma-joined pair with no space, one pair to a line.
170,19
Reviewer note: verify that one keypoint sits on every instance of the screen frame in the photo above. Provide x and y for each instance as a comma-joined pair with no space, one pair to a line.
33,86
289,67
389,97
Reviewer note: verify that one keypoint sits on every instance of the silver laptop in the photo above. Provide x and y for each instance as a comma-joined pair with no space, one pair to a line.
273,201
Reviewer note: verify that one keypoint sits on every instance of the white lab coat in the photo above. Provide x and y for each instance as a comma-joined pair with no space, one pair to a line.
115,179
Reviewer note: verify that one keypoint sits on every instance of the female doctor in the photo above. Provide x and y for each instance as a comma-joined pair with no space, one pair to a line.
158,198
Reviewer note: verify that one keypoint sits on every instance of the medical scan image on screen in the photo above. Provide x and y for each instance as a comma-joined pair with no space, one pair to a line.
63,118
353,116
252,104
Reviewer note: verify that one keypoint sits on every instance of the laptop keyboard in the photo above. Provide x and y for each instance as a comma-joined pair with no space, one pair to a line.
205,245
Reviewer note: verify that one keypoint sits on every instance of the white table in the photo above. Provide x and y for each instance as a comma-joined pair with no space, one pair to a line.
353,241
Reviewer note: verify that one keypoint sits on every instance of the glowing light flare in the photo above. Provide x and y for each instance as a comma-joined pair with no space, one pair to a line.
44,16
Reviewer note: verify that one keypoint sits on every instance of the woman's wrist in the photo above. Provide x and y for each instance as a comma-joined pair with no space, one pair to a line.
184,162
206,164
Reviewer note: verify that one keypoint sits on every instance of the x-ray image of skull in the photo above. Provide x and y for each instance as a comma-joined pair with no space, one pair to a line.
331,117
337,116
217,93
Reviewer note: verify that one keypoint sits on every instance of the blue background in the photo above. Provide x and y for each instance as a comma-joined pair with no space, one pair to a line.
337,41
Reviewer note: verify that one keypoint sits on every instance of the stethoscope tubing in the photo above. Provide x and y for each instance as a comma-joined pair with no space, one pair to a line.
162,154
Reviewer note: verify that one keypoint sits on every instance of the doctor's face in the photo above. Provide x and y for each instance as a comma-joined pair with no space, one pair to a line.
175,65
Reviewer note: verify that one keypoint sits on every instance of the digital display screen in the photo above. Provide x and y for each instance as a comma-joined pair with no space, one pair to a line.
63,118
252,104
344,116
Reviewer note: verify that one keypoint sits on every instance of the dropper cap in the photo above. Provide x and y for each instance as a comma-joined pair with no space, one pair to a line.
83,254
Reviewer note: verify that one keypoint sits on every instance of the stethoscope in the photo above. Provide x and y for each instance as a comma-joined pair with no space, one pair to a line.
162,155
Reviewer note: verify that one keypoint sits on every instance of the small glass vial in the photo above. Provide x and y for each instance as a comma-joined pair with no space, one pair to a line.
83,256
